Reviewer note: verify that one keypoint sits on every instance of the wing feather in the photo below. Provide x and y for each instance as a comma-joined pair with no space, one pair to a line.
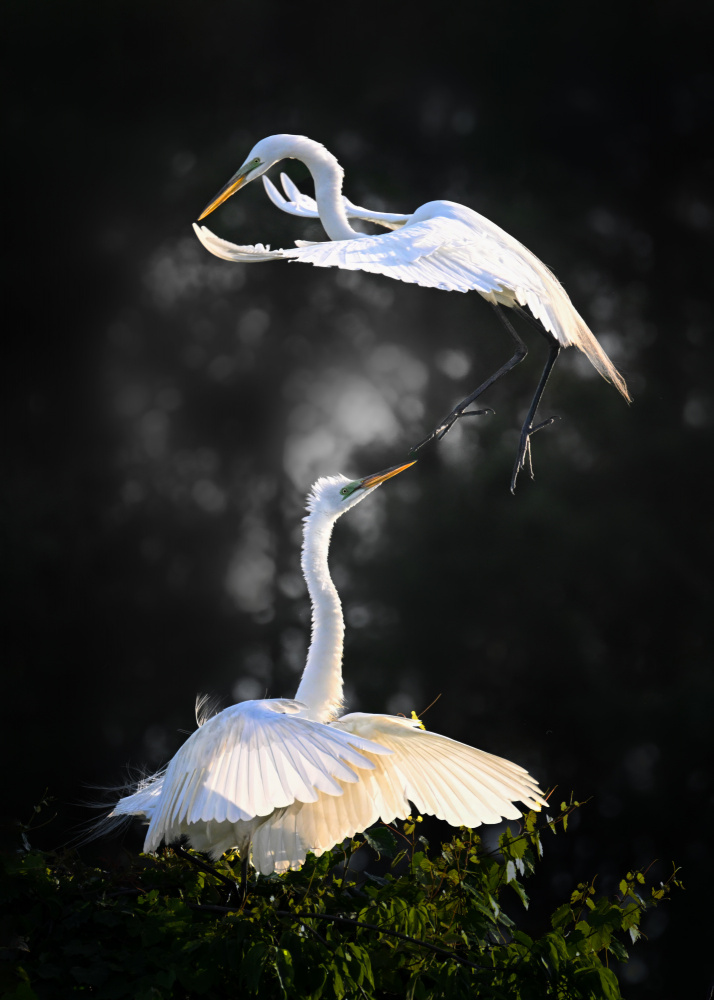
258,756
248,761
447,246
439,775
305,207
455,782
143,801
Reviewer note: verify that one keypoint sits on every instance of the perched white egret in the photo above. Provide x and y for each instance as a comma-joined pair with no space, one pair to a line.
441,245
278,778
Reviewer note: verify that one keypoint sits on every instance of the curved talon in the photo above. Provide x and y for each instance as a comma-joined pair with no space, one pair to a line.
427,439
524,450
446,425
475,413
543,423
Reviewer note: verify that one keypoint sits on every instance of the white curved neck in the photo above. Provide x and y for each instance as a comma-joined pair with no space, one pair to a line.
321,685
328,176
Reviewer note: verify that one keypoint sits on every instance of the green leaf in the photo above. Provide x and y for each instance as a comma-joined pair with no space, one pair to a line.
382,840
129,933
520,892
609,984
562,916
337,984
253,965
618,950
523,939
22,992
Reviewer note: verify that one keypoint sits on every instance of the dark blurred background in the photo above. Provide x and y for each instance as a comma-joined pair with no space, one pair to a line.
166,412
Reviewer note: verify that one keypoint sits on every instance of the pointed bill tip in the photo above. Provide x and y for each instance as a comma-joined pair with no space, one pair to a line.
380,477
234,184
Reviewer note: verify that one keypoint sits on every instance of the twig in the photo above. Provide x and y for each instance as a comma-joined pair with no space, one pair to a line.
339,919
430,705
182,852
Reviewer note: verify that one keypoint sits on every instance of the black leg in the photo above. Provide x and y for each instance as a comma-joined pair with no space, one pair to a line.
528,430
444,425
235,892
243,890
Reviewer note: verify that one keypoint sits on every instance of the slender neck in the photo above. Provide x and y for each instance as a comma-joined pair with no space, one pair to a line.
321,685
327,175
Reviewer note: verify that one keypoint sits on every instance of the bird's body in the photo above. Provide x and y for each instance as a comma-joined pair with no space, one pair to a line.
442,245
277,777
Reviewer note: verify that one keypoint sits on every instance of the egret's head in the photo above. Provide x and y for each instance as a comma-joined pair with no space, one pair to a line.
261,157
333,495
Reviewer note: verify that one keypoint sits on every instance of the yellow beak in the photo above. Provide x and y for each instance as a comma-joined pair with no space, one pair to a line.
379,477
233,185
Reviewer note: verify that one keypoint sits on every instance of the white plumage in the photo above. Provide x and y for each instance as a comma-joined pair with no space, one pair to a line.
278,778
442,245
448,246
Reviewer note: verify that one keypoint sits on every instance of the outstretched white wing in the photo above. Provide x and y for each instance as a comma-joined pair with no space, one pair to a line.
448,246
251,759
231,251
301,775
305,207
450,780
435,252
438,252
143,801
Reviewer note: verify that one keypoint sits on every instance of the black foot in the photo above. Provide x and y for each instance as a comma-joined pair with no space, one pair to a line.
446,424
524,449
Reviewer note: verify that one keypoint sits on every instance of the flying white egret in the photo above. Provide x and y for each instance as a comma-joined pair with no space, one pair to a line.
278,778
441,245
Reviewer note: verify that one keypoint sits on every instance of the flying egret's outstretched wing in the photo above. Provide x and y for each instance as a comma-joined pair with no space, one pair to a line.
305,207
251,759
231,251
450,247
441,777
438,253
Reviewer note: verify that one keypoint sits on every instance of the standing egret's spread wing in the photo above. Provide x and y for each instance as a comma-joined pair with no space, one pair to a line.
305,207
452,781
144,800
251,759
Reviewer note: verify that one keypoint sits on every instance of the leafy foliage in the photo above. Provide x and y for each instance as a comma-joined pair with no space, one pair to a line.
434,924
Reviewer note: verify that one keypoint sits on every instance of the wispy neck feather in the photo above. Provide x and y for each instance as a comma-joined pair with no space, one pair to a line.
321,685
328,176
